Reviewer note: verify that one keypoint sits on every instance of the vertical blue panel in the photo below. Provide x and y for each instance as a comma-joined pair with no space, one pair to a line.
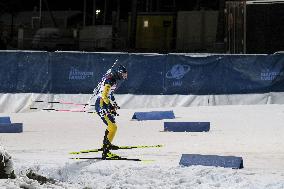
274,75
253,73
193,74
33,74
224,74
243,74
24,71
80,72
145,74
8,71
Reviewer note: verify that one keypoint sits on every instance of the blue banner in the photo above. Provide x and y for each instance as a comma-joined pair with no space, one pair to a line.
24,72
80,72
8,72
145,74
148,74
187,74
223,74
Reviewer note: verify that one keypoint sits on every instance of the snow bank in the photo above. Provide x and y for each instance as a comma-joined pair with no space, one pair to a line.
22,102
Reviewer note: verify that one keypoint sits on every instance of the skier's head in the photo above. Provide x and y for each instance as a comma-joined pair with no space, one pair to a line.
120,72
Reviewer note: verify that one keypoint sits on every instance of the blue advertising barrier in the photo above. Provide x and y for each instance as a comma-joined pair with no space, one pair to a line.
11,128
80,72
145,74
8,72
187,126
212,160
24,72
153,115
5,120
148,74
224,74
7,127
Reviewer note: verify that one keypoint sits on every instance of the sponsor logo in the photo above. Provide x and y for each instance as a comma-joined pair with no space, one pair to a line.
267,75
75,74
178,71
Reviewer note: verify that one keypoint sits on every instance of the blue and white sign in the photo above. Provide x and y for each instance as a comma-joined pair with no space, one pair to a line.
178,71
76,74
154,74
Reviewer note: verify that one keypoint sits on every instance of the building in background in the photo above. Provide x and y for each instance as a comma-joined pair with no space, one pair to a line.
196,31
155,31
254,27
209,26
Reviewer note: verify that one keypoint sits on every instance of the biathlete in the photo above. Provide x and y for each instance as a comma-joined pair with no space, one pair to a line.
106,107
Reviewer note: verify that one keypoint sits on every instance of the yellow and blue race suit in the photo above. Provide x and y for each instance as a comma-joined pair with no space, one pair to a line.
106,106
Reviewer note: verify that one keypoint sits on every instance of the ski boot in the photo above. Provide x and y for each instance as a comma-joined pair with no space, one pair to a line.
110,155
107,146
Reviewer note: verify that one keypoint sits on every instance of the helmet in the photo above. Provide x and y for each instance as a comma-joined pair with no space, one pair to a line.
117,73
121,69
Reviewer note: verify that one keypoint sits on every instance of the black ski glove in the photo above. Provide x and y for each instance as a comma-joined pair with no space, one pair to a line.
112,109
116,106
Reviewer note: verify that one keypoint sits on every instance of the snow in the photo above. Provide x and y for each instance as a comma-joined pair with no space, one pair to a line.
254,132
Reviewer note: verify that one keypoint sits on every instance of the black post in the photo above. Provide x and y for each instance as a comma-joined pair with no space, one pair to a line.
115,25
84,13
12,27
221,26
105,12
94,12
133,23
50,13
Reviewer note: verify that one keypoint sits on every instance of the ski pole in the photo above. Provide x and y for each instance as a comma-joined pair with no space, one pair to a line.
62,102
60,110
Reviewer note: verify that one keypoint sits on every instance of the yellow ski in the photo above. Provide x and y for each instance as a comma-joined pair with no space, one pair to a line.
116,148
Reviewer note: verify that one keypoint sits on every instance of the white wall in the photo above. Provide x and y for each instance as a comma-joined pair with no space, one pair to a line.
21,102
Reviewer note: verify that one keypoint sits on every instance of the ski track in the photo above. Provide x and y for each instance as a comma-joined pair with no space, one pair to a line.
253,132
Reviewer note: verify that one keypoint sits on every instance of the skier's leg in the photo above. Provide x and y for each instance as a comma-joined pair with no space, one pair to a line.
110,132
106,147
111,127
108,138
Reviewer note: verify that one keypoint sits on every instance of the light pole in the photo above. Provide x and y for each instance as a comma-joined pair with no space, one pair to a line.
40,7
84,14
94,12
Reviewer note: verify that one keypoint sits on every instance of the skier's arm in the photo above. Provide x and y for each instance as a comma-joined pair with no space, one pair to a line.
105,93
105,97
113,101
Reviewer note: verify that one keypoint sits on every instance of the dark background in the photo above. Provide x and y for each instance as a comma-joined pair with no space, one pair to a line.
263,25
164,5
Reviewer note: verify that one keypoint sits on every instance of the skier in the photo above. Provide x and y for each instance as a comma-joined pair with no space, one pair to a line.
106,107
